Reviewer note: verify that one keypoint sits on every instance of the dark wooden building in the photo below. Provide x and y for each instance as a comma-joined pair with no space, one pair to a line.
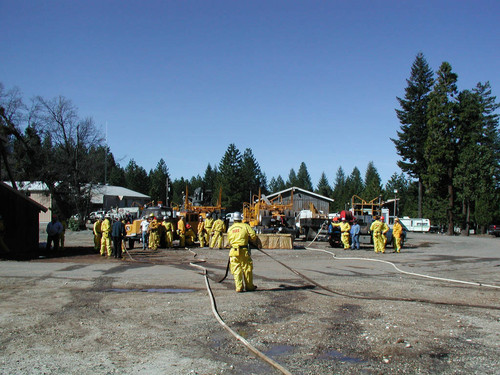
302,199
20,218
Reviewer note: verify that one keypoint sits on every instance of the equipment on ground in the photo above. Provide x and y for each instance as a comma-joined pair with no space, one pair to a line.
269,216
312,224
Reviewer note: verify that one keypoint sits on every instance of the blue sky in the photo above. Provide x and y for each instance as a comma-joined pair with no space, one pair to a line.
295,81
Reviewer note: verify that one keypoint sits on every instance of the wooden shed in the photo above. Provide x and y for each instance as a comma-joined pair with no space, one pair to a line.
302,199
21,221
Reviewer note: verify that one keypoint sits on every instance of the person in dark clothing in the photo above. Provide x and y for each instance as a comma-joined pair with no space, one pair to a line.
118,233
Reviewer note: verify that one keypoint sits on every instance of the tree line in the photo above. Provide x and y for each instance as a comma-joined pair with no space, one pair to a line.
448,143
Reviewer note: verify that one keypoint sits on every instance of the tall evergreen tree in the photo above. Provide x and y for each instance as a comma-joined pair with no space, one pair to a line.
477,151
178,190
397,188
252,177
413,117
440,146
117,176
158,182
324,187
354,183
276,184
292,179
230,179
339,191
373,184
210,183
303,178
136,178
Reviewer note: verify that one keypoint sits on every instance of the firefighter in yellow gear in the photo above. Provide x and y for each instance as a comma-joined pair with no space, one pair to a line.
218,228
202,233
106,237
190,235
397,231
181,232
63,233
154,238
97,234
240,259
208,224
345,228
378,229
169,232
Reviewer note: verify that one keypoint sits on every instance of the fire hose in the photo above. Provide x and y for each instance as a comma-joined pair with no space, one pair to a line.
249,346
398,269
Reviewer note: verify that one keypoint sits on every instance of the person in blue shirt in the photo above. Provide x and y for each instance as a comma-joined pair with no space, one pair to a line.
355,230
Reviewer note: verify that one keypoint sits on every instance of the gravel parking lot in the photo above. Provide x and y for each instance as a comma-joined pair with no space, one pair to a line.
79,313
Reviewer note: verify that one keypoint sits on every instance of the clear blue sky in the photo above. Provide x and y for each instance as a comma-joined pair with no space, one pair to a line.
294,80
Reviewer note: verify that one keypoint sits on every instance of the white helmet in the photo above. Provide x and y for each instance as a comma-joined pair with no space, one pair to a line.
237,216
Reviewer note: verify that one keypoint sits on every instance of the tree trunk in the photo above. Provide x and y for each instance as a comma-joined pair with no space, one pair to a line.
467,217
420,195
451,229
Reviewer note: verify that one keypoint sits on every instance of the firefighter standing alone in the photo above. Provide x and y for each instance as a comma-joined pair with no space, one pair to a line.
240,260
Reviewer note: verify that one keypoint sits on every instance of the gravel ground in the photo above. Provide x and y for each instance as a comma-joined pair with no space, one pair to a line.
79,313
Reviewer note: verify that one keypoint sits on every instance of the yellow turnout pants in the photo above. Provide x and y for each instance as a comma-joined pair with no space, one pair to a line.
241,266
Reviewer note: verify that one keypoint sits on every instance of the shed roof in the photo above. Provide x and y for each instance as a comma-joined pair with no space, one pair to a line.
297,189
20,194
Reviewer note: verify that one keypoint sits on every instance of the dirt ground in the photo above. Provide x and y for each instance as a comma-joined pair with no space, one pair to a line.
79,313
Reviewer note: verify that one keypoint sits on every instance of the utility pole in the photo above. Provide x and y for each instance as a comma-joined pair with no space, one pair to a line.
167,188
395,204
106,157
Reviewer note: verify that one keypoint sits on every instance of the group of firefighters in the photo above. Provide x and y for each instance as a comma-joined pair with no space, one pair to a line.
378,229
210,232
158,232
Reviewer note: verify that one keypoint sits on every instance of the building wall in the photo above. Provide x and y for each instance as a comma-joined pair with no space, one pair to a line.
44,200
301,202
21,222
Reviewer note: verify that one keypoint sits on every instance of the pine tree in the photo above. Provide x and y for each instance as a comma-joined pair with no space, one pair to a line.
354,183
210,183
339,191
303,178
373,185
397,188
276,184
413,117
158,182
324,187
292,179
252,177
136,178
478,150
440,146
230,179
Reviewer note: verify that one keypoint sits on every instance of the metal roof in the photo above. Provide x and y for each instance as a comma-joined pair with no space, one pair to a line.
295,189
98,191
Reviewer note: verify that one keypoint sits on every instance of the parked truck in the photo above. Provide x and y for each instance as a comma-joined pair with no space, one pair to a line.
312,224
134,232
